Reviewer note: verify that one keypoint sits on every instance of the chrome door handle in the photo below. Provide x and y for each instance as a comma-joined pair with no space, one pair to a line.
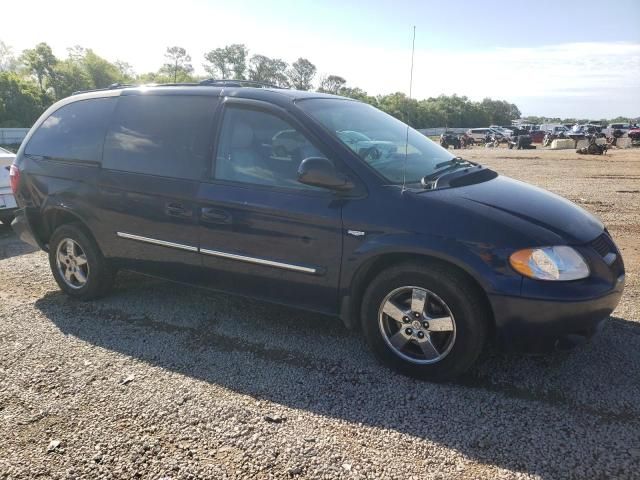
177,210
215,215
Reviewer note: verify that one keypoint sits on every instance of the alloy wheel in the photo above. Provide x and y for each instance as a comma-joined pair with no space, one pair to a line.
72,263
417,325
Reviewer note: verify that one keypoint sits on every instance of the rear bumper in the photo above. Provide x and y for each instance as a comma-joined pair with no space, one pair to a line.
23,229
8,205
539,325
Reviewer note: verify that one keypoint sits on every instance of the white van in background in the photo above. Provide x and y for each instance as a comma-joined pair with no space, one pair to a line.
7,201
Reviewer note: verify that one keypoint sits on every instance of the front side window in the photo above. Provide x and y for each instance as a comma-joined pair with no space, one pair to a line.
164,135
74,132
382,141
260,148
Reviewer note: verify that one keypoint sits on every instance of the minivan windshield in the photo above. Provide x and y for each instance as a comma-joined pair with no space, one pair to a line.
378,139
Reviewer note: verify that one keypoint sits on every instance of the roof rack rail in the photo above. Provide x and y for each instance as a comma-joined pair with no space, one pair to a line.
113,86
237,83
213,82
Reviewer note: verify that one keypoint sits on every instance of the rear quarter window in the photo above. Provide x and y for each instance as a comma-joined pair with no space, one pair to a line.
164,135
74,132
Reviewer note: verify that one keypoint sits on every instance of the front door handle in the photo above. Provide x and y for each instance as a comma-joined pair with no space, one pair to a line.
178,210
215,215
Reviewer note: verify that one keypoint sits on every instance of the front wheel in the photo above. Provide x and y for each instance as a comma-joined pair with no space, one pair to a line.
77,263
426,322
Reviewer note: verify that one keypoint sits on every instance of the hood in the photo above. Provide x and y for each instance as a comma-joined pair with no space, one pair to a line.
536,206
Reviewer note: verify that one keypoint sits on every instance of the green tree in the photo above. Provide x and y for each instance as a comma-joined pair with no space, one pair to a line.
268,70
101,72
40,62
21,102
301,74
178,65
70,76
358,94
76,53
402,107
227,62
331,84
126,71
8,61
500,112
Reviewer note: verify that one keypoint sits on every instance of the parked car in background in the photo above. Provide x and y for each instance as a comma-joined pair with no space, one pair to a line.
578,132
506,132
480,134
553,128
634,133
7,200
617,129
427,254
450,139
537,136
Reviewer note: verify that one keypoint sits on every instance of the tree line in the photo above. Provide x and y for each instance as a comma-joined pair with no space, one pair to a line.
34,79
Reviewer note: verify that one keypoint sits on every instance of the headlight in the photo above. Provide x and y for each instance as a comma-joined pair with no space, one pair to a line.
550,263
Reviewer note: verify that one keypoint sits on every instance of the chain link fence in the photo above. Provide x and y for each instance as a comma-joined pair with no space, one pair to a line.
12,136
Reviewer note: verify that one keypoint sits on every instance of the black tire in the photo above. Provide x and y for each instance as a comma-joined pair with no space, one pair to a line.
100,274
471,318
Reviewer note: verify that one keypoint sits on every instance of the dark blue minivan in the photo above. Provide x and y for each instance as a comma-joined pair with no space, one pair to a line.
314,201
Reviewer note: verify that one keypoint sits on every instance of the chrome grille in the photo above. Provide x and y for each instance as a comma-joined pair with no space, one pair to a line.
603,245
607,250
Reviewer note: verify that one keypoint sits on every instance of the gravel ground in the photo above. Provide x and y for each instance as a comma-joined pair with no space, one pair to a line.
160,381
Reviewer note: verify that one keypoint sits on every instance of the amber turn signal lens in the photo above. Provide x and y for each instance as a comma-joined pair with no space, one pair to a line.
520,262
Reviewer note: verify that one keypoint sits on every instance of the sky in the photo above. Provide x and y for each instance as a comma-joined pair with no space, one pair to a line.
567,59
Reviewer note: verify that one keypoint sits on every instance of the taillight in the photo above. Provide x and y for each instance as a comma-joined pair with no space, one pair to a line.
14,177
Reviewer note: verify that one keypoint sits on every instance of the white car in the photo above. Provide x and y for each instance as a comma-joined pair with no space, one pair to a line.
504,131
620,128
479,134
7,201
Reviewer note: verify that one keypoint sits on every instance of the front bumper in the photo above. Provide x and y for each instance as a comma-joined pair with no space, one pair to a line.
539,325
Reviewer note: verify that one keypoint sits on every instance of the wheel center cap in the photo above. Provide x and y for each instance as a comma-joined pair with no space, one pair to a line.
416,324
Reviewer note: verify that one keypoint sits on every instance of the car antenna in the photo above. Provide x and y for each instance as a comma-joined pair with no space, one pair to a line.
406,143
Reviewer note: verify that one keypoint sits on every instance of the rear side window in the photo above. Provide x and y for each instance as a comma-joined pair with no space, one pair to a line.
165,135
74,132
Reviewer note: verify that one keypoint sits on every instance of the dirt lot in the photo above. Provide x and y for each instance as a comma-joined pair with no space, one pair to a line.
158,381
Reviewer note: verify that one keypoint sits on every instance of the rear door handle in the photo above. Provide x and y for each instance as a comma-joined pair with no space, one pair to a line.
178,210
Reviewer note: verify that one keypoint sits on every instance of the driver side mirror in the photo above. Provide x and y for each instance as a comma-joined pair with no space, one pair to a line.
321,172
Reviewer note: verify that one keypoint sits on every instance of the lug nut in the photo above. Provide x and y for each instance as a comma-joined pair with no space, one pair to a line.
425,324
420,335
416,314
405,319
409,331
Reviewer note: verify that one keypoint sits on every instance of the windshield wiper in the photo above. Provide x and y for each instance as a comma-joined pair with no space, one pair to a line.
454,161
429,181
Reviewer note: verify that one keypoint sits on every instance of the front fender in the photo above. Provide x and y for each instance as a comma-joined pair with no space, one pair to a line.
487,265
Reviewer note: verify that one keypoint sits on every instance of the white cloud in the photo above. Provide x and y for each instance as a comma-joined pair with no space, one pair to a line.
584,79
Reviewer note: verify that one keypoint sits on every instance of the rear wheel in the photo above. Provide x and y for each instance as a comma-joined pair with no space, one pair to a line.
427,322
77,263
